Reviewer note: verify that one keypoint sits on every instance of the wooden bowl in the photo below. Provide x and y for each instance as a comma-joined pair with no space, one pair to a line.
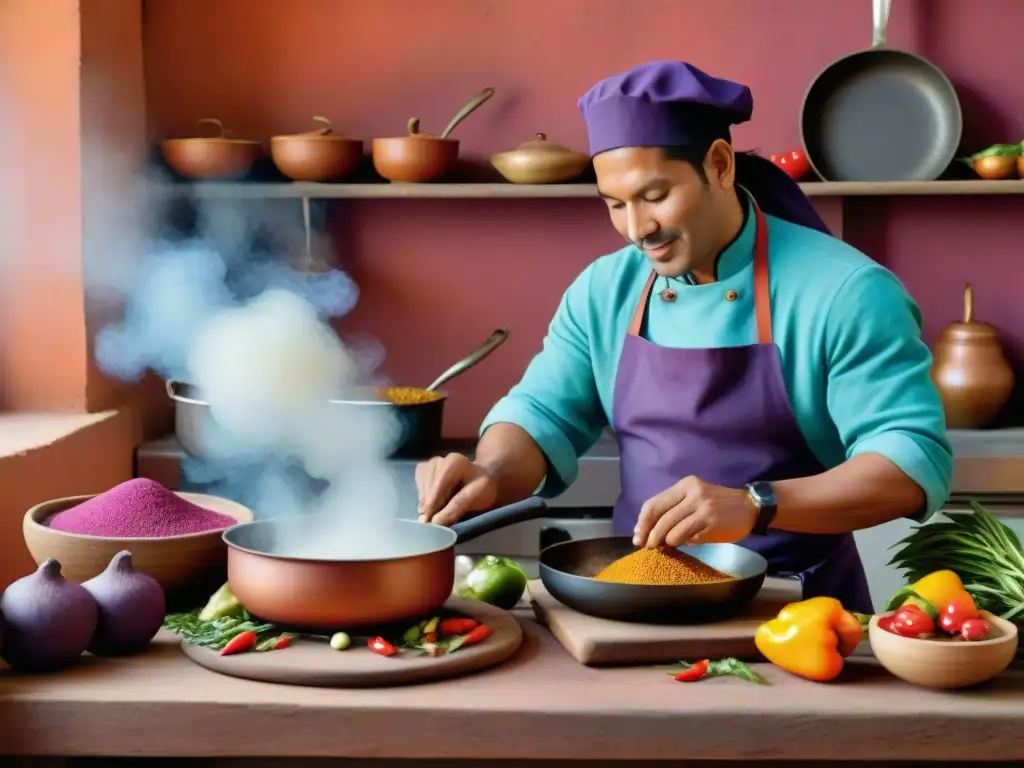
1020,166
416,158
211,157
945,663
175,561
319,155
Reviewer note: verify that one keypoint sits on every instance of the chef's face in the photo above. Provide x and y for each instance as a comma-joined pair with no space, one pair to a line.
669,208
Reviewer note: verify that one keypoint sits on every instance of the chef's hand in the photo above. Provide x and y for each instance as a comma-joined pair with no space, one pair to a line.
695,512
452,487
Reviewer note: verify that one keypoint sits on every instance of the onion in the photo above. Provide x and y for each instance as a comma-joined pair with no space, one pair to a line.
131,608
48,620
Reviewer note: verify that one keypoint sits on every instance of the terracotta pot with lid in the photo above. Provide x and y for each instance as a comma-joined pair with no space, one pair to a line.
211,157
972,374
540,162
421,157
318,155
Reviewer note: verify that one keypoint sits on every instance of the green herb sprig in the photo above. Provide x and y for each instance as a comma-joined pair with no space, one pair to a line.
213,634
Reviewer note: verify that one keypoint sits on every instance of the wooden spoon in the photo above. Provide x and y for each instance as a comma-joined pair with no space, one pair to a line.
469,108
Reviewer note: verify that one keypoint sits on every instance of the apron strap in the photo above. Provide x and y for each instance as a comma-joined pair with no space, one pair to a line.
762,286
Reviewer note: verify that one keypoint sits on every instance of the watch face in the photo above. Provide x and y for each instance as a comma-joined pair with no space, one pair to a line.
764,492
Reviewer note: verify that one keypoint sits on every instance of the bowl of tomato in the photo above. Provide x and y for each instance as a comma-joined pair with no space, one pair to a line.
928,655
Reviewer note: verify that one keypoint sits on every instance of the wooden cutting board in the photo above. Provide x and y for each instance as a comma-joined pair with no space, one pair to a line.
594,642
312,662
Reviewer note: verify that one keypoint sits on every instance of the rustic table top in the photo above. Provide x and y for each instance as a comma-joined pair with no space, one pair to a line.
539,705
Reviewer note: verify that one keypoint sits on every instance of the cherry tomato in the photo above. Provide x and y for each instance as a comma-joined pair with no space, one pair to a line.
911,621
956,612
974,630
794,163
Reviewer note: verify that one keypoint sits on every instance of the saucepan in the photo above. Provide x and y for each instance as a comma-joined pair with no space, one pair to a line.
567,570
306,573
420,410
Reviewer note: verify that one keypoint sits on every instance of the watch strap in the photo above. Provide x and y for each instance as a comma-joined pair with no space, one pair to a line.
763,497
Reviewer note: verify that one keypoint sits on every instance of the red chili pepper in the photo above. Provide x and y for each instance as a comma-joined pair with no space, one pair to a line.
479,633
243,641
974,630
694,672
430,637
958,611
381,646
458,626
911,621
282,642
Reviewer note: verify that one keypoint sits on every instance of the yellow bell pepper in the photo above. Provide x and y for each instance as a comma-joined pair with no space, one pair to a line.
811,638
939,589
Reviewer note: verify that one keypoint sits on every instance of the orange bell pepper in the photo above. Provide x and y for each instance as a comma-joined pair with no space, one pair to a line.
811,638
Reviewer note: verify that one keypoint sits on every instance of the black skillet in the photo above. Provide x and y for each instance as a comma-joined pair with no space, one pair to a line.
567,568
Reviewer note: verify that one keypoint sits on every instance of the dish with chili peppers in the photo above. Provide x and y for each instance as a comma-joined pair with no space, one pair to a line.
225,626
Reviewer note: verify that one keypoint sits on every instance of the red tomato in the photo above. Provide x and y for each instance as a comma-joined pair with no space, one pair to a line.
974,630
957,612
911,621
795,164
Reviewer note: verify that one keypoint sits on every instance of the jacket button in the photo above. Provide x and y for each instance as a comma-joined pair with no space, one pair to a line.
731,295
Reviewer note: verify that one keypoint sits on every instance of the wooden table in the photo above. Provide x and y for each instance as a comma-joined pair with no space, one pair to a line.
541,705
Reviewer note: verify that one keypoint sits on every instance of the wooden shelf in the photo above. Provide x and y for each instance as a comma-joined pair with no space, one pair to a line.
296,190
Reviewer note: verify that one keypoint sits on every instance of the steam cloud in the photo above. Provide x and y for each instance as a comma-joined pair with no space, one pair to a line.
220,308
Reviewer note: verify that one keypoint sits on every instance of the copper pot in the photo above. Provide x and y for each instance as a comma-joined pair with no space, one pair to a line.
540,162
281,571
421,157
972,374
320,155
211,157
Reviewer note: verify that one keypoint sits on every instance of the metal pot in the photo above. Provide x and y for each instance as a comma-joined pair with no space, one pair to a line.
421,422
411,574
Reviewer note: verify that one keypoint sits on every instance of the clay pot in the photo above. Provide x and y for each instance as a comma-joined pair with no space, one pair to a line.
320,155
421,157
211,157
972,374
540,162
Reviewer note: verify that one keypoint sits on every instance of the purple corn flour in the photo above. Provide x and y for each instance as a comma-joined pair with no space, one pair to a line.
139,508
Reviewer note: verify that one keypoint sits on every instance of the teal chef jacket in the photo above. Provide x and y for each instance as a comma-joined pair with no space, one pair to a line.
855,366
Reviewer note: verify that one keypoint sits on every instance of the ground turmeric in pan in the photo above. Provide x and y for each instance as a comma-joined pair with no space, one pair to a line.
664,566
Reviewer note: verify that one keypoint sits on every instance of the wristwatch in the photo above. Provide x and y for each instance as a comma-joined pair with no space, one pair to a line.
762,495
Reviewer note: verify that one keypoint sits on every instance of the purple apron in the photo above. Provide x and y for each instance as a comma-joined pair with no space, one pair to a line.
724,415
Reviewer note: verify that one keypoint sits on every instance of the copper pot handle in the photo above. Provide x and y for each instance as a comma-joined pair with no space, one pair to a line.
470,107
968,303
222,132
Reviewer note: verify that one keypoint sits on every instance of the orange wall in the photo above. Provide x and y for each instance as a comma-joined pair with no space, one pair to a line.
65,73
42,340
437,277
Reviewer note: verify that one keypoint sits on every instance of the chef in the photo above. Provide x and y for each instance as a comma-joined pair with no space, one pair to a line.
767,383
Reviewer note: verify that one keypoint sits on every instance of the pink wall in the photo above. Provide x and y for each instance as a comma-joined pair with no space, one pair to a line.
438,276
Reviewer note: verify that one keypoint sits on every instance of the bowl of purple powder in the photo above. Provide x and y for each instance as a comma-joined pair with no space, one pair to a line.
173,537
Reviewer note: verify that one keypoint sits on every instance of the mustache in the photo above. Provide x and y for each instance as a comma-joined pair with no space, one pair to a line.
658,239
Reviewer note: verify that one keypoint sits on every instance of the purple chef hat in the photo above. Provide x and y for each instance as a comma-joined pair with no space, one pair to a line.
663,103
672,103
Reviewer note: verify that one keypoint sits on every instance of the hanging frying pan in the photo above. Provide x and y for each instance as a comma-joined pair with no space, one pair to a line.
881,115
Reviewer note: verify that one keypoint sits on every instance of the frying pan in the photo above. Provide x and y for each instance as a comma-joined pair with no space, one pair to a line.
881,115
404,571
567,569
